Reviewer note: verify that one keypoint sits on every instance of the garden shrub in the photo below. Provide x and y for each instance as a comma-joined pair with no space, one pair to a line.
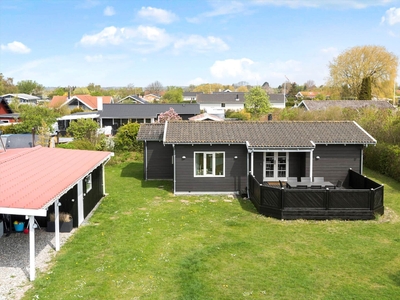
383,158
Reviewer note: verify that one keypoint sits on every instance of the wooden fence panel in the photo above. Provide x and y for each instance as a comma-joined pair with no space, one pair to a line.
271,196
349,199
304,198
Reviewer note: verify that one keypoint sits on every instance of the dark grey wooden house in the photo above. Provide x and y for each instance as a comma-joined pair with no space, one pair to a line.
217,157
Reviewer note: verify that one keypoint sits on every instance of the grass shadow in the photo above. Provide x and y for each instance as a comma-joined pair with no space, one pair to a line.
135,171
247,205
396,278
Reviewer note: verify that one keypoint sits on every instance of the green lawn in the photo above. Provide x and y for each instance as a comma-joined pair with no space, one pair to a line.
145,243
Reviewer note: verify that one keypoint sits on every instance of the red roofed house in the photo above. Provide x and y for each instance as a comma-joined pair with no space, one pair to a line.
86,102
6,113
47,180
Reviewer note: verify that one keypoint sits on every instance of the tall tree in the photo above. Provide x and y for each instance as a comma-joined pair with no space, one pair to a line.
257,102
208,88
155,88
350,67
34,116
30,87
173,95
309,85
7,85
365,91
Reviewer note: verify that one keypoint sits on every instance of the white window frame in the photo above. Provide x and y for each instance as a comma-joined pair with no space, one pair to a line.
275,171
205,153
88,183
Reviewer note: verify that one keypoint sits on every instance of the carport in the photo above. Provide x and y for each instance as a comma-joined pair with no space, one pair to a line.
33,179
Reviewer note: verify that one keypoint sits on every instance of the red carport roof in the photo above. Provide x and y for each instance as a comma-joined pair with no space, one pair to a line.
31,179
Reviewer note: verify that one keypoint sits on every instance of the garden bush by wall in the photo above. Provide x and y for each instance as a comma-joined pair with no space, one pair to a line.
383,158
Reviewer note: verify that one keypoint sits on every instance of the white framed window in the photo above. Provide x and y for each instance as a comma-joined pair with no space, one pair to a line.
276,166
88,183
209,164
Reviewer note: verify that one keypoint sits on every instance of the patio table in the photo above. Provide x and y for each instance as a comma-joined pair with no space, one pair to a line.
323,184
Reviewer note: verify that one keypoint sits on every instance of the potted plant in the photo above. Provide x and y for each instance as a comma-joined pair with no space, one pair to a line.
65,221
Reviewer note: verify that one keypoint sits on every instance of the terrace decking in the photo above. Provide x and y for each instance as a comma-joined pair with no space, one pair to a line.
362,199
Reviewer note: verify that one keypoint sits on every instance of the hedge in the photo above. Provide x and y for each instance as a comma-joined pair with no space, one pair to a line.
383,158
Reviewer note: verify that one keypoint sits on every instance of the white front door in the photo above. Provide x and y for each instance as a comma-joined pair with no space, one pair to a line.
276,166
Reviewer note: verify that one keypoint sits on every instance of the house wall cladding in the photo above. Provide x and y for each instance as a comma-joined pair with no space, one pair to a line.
159,161
235,178
91,198
335,161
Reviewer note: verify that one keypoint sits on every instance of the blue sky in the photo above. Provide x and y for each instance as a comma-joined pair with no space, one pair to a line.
182,42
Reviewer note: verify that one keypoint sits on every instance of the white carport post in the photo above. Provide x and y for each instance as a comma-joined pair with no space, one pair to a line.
311,163
31,248
57,224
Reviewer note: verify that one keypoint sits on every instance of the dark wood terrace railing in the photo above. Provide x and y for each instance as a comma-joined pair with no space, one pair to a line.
361,201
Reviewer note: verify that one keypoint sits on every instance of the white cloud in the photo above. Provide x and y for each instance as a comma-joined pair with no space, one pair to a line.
224,8
357,4
157,15
201,44
109,35
141,38
146,39
392,16
239,69
15,47
109,11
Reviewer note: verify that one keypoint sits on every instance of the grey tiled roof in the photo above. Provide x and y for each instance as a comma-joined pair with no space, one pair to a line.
151,132
126,111
267,134
217,98
276,98
324,104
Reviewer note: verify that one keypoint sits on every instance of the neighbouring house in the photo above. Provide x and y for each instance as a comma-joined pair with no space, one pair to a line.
6,113
190,96
64,121
50,180
133,99
86,102
222,100
151,98
119,114
312,105
22,98
277,100
206,117
306,94
217,157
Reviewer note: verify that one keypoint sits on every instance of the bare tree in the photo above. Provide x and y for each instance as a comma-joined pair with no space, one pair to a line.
155,88
309,85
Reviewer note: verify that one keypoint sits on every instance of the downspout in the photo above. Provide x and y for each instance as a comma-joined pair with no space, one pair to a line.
145,160
362,162
173,161
311,163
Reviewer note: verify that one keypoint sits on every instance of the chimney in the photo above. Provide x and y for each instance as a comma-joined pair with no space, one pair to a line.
99,103
33,137
237,97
